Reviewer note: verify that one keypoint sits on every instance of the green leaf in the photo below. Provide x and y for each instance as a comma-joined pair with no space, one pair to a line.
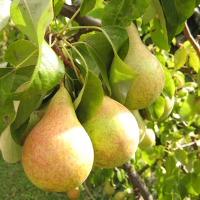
180,57
196,166
95,43
169,86
177,11
121,78
158,36
117,12
6,83
87,6
32,17
11,151
196,185
7,114
189,181
48,73
187,111
170,165
120,12
182,189
193,60
4,12
22,53
120,175
161,17
91,98
149,14
159,106
26,107
181,156
57,4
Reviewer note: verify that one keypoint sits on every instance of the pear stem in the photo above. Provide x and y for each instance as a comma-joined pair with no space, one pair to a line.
88,191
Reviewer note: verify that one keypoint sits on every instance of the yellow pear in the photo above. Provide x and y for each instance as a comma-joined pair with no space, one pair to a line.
148,140
149,85
58,155
114,133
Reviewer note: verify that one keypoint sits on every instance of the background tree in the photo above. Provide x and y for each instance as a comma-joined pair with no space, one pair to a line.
47,42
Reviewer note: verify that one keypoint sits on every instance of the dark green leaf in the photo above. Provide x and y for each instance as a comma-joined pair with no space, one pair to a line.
22,53
87,6
158,36
149,14
91,98
48,73
177,11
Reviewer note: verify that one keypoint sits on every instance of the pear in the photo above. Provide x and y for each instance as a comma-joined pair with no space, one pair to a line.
108,189
73,194
57,155
120,195
114,133
148,140
149,85
141,123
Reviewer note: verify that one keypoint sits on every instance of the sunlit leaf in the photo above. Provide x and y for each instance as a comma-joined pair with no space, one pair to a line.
4,12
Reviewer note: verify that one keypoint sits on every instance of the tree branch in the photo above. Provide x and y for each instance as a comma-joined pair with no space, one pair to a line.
137,181
191,39
68,11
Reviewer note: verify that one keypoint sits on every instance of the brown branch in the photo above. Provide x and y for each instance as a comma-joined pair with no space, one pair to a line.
137,181
183,168
68,11
60,53
143,169
191,39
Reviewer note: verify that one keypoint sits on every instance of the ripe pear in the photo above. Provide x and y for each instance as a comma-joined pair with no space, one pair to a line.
73,194
149,85
148,140
114,133
57,155
108,188
141,123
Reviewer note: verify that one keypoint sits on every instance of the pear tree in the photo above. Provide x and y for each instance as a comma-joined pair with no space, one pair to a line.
99,99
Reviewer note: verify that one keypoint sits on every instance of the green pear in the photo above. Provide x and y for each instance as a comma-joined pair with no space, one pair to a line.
108,189
141,123
169,104
120,195
57,155
148,140
149,85
114,133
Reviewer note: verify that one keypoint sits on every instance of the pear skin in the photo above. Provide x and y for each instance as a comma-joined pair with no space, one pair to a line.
148,140
149,85
57,155
114,133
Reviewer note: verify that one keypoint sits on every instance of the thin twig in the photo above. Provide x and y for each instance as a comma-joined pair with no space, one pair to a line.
191,39
88,191
143,169
184,145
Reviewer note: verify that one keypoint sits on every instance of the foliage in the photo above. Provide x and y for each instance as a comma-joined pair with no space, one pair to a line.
28,30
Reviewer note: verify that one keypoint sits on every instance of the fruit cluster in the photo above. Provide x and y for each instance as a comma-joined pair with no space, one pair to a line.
59,152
